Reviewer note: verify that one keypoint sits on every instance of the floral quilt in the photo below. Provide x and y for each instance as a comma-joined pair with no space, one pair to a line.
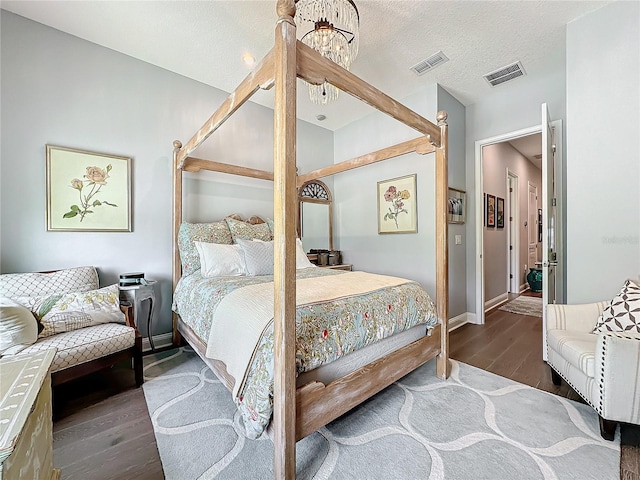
325,332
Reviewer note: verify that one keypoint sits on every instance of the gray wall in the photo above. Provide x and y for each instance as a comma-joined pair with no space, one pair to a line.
508,108
603,151
407,255
496,159
58,89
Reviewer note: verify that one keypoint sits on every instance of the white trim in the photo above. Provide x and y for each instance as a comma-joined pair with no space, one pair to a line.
159,341
460,320
480,209
524,287
494,302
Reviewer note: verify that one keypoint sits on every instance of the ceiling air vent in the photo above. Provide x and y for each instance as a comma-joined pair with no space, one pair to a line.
505,74
429,63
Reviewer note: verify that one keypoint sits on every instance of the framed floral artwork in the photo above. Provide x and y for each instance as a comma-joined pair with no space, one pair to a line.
397,205
490,210
457,205
499,212
87,191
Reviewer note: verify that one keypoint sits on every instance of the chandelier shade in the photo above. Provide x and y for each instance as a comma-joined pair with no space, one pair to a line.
332,30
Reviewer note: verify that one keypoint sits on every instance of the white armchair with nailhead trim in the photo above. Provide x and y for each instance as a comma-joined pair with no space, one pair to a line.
603,368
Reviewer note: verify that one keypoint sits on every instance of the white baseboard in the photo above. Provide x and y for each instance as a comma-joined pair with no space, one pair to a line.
494,302
524,287
460,320
159,341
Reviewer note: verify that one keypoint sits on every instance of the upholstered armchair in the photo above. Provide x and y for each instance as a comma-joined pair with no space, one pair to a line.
603,368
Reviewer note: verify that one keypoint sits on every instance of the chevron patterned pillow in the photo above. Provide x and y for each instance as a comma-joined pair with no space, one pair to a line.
623,313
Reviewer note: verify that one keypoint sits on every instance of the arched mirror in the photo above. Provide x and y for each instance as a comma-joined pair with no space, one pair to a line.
315,216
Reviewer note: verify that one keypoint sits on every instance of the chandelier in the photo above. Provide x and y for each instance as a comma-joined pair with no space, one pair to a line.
332,30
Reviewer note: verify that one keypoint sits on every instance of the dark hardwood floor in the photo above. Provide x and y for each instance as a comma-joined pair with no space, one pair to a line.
102,429
508,345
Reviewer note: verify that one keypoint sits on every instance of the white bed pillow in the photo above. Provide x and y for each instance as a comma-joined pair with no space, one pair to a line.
18,327
258,256
302,261
219,260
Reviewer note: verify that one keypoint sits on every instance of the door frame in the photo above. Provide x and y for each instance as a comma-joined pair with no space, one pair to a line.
513,233
479,206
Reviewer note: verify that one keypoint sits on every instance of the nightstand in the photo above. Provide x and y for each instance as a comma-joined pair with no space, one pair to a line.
136,294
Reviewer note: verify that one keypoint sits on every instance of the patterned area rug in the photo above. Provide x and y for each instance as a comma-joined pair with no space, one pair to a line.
531,306
475,425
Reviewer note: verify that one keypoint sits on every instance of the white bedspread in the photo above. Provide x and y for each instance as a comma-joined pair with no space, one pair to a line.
244,314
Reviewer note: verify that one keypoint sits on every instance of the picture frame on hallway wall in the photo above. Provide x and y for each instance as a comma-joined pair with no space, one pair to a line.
397,205
457,205
87,191
499,212
490,210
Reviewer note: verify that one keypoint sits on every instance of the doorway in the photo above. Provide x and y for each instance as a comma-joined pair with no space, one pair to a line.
518,279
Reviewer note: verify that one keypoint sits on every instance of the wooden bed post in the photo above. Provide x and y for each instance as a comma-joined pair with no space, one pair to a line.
177,220
442,245
285,203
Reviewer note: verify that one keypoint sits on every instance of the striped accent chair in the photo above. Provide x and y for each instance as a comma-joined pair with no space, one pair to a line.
603,368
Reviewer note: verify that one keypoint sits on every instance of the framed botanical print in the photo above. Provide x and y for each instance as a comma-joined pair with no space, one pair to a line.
500,212
87,191
397,205
490,210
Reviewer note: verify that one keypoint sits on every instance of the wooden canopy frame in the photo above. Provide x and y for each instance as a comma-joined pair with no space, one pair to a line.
298,412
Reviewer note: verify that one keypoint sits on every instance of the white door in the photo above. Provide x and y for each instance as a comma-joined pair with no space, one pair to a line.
549,200
532,227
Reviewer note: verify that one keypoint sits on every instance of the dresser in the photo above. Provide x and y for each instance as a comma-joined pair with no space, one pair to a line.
26,422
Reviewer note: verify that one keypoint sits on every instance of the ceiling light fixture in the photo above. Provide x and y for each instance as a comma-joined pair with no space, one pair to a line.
332,29
248,59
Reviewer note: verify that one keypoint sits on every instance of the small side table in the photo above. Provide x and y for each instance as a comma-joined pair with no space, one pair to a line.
136,294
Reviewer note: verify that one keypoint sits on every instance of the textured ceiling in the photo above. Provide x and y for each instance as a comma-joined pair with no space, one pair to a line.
205,40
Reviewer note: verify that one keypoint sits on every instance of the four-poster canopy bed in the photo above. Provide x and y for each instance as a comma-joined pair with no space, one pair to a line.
301,410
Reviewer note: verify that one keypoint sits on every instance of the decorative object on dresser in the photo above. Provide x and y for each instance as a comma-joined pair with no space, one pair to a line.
134,290
595,348
85,324
26,439
87,191
397,205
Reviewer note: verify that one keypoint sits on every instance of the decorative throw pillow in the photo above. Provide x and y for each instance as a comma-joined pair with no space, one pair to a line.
77,279
72,311
258,256
216,232
18,327
623,313
246,231
218,260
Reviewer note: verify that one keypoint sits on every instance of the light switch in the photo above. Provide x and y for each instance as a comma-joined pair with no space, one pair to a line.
458,239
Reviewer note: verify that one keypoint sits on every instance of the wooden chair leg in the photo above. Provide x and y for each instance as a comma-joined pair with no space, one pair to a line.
607,428
555,378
